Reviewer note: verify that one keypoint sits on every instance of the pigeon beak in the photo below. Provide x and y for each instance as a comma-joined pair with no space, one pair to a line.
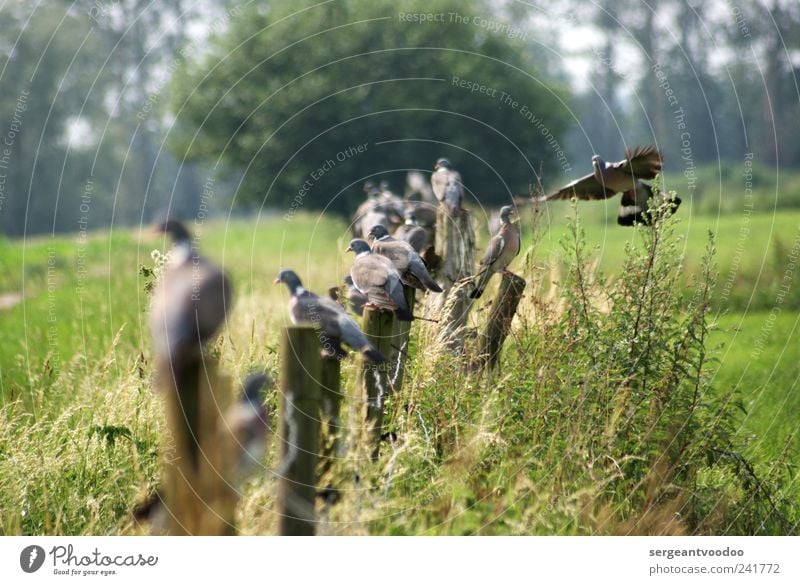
349,249
276,281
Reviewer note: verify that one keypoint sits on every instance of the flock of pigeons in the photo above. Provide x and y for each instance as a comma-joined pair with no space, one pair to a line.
195,295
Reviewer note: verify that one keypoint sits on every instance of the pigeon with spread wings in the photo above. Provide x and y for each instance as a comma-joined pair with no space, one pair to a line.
625,176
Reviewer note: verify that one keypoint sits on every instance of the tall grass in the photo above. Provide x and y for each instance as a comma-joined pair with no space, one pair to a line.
603,418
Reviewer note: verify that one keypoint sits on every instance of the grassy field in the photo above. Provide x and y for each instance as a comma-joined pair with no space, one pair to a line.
75,362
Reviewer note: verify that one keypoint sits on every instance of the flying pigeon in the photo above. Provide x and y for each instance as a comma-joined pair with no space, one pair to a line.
376,277
446,184
412,233
329,317
190,302
608,179
408,263
503,248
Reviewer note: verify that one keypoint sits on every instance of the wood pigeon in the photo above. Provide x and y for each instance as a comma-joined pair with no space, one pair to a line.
250,423
356,298
503,248
329,317
376,277
625,176
447,186
408,263
191,300
412,233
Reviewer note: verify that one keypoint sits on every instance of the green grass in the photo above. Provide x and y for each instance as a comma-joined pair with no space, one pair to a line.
76,358
760,360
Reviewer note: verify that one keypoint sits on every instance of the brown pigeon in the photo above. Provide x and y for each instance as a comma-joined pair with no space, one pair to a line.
503,248
408,263
329,317
447,186
375,276
412,233
190,302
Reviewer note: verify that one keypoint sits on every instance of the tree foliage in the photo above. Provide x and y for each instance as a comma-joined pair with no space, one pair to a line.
286,94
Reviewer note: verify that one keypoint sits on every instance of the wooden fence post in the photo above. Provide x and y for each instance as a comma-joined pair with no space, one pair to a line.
300,374
502,314
455,245
197,497
373,379
331,406
400,339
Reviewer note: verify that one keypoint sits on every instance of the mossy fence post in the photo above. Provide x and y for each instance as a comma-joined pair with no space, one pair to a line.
331,407
400,339
455,247
300,375
498,325
373,379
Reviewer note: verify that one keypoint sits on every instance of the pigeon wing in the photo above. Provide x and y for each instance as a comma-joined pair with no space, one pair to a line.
585,188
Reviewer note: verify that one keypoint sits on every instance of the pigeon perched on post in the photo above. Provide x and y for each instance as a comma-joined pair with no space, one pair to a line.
446,184
356,298
412,233
625,176
376,277
503,248
329,317
408,263
191,300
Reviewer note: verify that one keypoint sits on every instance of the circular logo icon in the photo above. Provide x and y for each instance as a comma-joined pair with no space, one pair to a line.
31,558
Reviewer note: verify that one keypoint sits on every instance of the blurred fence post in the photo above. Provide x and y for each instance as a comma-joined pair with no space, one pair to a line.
502,314
300,375
373,379
197,498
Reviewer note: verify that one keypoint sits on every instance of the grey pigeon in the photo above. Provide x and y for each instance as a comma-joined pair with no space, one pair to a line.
326,314
249,422
412,233
356,298
376,277
634,207
503,248
404,258
191,300
447,187
625,176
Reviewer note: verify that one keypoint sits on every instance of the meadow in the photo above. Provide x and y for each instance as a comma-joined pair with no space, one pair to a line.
81,431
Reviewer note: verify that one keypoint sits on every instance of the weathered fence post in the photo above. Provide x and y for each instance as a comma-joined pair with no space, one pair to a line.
502,314
331,406
197,498
301,370
400,339
455,246
373,379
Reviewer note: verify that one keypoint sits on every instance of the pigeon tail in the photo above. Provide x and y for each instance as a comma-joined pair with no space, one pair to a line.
403,314
373,355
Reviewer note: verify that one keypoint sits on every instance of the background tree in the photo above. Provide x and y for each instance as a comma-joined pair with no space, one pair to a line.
285,94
